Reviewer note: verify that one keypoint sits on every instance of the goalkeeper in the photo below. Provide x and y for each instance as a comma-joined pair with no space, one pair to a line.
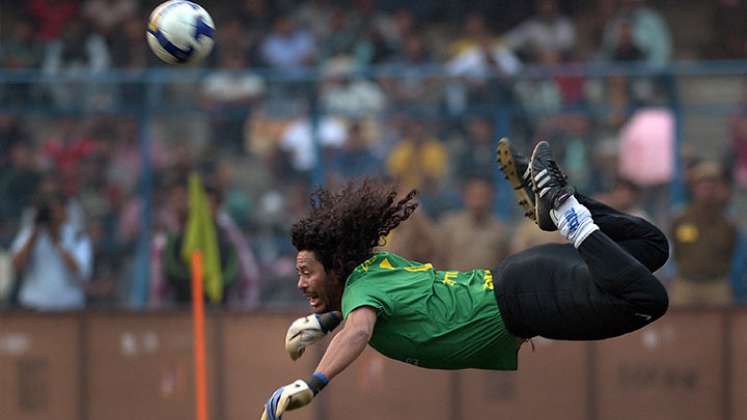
600,285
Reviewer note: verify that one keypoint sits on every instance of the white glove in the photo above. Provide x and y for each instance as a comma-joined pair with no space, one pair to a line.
308,330
289,397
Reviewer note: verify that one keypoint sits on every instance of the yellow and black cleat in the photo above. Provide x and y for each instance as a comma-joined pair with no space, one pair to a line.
515,168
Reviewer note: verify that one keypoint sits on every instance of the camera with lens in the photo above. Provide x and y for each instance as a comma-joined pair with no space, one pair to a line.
43,214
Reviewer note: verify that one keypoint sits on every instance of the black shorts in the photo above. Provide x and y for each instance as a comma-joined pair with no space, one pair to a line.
603,289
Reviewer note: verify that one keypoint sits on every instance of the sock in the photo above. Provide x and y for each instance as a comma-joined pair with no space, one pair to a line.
574,221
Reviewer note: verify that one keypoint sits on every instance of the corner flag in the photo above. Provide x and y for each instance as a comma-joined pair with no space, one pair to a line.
200,235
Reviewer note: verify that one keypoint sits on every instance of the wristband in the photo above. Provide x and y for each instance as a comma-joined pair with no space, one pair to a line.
317,382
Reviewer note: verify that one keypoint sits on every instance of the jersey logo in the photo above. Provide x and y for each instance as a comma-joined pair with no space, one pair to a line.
422,267
646,317
572,219
386,264
450,278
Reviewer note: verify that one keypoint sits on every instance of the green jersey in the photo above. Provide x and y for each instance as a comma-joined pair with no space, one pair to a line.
430,318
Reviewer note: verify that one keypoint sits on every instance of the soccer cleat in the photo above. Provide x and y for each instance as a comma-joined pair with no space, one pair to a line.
515,168
550,185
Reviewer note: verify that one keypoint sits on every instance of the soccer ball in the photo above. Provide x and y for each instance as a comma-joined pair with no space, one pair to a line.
180,32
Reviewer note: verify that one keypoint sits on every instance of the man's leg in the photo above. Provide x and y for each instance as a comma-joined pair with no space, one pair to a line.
595,292
598,291
641,239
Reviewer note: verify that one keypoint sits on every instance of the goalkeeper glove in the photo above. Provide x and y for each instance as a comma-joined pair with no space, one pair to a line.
293,396
308,330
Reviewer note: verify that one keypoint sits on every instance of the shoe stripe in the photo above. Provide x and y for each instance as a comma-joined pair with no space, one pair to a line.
542,178
544,191
527,174
541,174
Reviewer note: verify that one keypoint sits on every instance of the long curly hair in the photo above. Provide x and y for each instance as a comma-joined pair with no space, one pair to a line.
343,227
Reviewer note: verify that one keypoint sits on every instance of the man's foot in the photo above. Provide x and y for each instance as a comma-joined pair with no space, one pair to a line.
515,168
550,186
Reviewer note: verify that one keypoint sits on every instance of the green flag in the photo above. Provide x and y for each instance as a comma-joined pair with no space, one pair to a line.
200,235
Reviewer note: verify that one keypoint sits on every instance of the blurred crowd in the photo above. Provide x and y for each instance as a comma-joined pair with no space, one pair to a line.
302,92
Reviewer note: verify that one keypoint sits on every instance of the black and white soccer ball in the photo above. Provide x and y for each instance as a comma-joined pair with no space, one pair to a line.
180,32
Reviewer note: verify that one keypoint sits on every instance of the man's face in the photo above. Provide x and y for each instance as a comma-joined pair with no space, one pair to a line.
322,290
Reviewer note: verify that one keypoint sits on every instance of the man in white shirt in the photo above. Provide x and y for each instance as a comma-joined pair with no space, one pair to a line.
52,259
547,31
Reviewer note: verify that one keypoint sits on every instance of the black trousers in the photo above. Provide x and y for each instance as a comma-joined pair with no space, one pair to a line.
603,289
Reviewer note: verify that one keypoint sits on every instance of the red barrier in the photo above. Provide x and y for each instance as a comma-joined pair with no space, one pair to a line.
121,365
40,367
140,366
376,388
255,364
738,356
550,380
669,370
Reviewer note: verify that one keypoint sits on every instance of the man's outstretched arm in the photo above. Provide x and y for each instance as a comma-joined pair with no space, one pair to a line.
344,348
349,343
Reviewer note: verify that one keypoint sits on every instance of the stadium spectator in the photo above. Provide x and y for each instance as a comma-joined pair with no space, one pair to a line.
480,75
78,48
473,237
128,51
647,155
474,29
437,196
624,196
12,131
727,30
234,37
229,94
418,239
547,96
647,28
299,142
317,16
354,158
406,80
339,36
737,155
51,17
704,241
626,48
526,235
417,156
372,47
18,181
21,49
78,53
108,15
476,153
569,133
52,258
547,32
287,47
238,266
396,27
343,93
72,143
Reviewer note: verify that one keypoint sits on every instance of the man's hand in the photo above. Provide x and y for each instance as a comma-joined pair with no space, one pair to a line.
289,397
308,330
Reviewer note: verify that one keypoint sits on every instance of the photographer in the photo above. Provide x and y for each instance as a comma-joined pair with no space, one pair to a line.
51,259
